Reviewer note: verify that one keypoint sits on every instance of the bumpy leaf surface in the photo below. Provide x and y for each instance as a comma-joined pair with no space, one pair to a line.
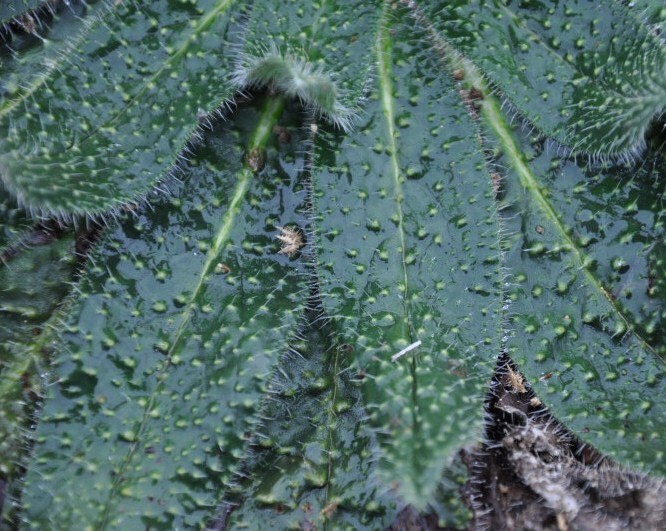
588,316
186,309
140,77
182,316
590,75
408,251
321,472
26,53
313,51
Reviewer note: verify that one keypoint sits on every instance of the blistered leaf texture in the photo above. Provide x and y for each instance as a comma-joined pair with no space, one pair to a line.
27,50
438,237
140,77
586,311
409,262
318,473
589,75
183,314
32,283
312,51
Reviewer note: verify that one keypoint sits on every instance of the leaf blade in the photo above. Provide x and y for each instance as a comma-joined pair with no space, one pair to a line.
180,370
131,120
388,212
589,78
313,52
315,473
33,281
581,347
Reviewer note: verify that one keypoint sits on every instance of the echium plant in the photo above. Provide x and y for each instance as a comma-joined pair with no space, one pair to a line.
315,227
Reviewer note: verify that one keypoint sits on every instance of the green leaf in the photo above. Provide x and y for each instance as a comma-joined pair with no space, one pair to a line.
321,472
447,503
591,78
164,390
183,314
588,327
25,56
140,79
407,241
312,51
652,12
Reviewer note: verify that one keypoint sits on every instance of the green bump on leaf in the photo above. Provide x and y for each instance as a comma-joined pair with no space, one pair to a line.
152,405
312,51
593,79
140,77
171,379
319,472
24,58
407,242
587,322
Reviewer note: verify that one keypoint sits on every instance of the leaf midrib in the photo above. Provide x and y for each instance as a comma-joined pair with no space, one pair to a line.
258,140
492,113
384,55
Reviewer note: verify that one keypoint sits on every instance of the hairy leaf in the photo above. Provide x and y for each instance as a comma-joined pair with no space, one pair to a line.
182,316
312,51
588,326
13,221
10,9
140,78
408,252
652,12
320,472
26,55
587,74
427,263
32,283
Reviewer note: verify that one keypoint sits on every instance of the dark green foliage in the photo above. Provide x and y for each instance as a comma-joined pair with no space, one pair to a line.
579,256
651,12
27,50
131,123
292,317
171,344
408,250
34,278
13,220
588,75
312,52
308,471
